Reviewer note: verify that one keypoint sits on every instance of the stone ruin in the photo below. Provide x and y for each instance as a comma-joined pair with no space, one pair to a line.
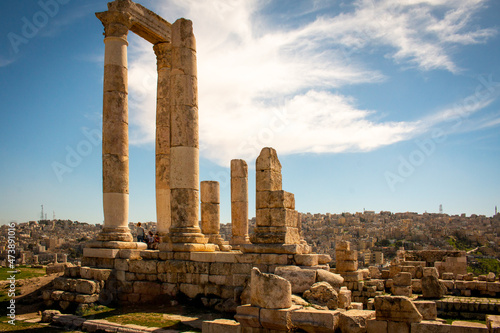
260,278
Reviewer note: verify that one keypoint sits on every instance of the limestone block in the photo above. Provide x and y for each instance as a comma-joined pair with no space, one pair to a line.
221,325
493,287
279,217
491,277
467,327
493,323
430,271
324,259
300,279
398,326
248,315
376,326
130,254
100,253
346,266
313,320
344,296
268,160
241,269
121,264
86,299
270,291
86,287
427,309
432,287
447,276
335,280
354,321
349,255
402,279
268,180
430,327
306,259
101,274
191,290
396,308
323,294
229,257
277,319
275,199
401,290
143,266
354,276
220,268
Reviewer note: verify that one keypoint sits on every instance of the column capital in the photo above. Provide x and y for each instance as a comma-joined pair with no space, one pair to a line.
116,24
163,52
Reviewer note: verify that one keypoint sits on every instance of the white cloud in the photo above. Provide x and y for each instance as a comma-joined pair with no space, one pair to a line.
250,76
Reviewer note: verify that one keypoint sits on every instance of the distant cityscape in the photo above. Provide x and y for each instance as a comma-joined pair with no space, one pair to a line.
376,236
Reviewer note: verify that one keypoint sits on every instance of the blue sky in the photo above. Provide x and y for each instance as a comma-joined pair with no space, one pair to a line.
371,104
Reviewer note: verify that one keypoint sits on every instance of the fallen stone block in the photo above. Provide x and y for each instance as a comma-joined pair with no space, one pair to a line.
313,320
396,308
269,291
300,279
354,321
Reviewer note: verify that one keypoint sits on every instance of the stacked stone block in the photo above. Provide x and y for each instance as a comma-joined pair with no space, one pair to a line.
276,217
401,284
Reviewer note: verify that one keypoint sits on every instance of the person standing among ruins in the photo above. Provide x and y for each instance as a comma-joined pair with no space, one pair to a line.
140,232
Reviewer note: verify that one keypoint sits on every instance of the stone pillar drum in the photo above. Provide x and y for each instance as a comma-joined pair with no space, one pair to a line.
184,232
210,209
115,129
239,203
163,53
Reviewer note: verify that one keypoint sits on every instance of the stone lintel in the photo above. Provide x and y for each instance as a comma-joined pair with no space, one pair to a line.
145,23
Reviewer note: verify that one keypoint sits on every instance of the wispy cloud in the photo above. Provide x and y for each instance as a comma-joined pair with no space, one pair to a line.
262,86
5,62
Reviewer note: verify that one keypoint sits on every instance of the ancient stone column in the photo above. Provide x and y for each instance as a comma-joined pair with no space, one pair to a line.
184,147
210,213
163,53
115,128
239,202
35,259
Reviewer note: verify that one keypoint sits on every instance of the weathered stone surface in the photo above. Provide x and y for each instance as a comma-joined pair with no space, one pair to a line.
322,293
335,280
221,325
430,271
493,323
277,319
427,309
402,279
430,327
396,308
47,315
248,315
300,279
432,287
270,291
344,298
354,321
313,320
459,326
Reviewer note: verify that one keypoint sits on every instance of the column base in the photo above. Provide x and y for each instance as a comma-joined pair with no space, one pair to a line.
186,235
115,234
240,240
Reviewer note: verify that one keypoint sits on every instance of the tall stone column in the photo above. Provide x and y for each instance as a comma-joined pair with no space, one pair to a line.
185,233
163,53
115,128
239,202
